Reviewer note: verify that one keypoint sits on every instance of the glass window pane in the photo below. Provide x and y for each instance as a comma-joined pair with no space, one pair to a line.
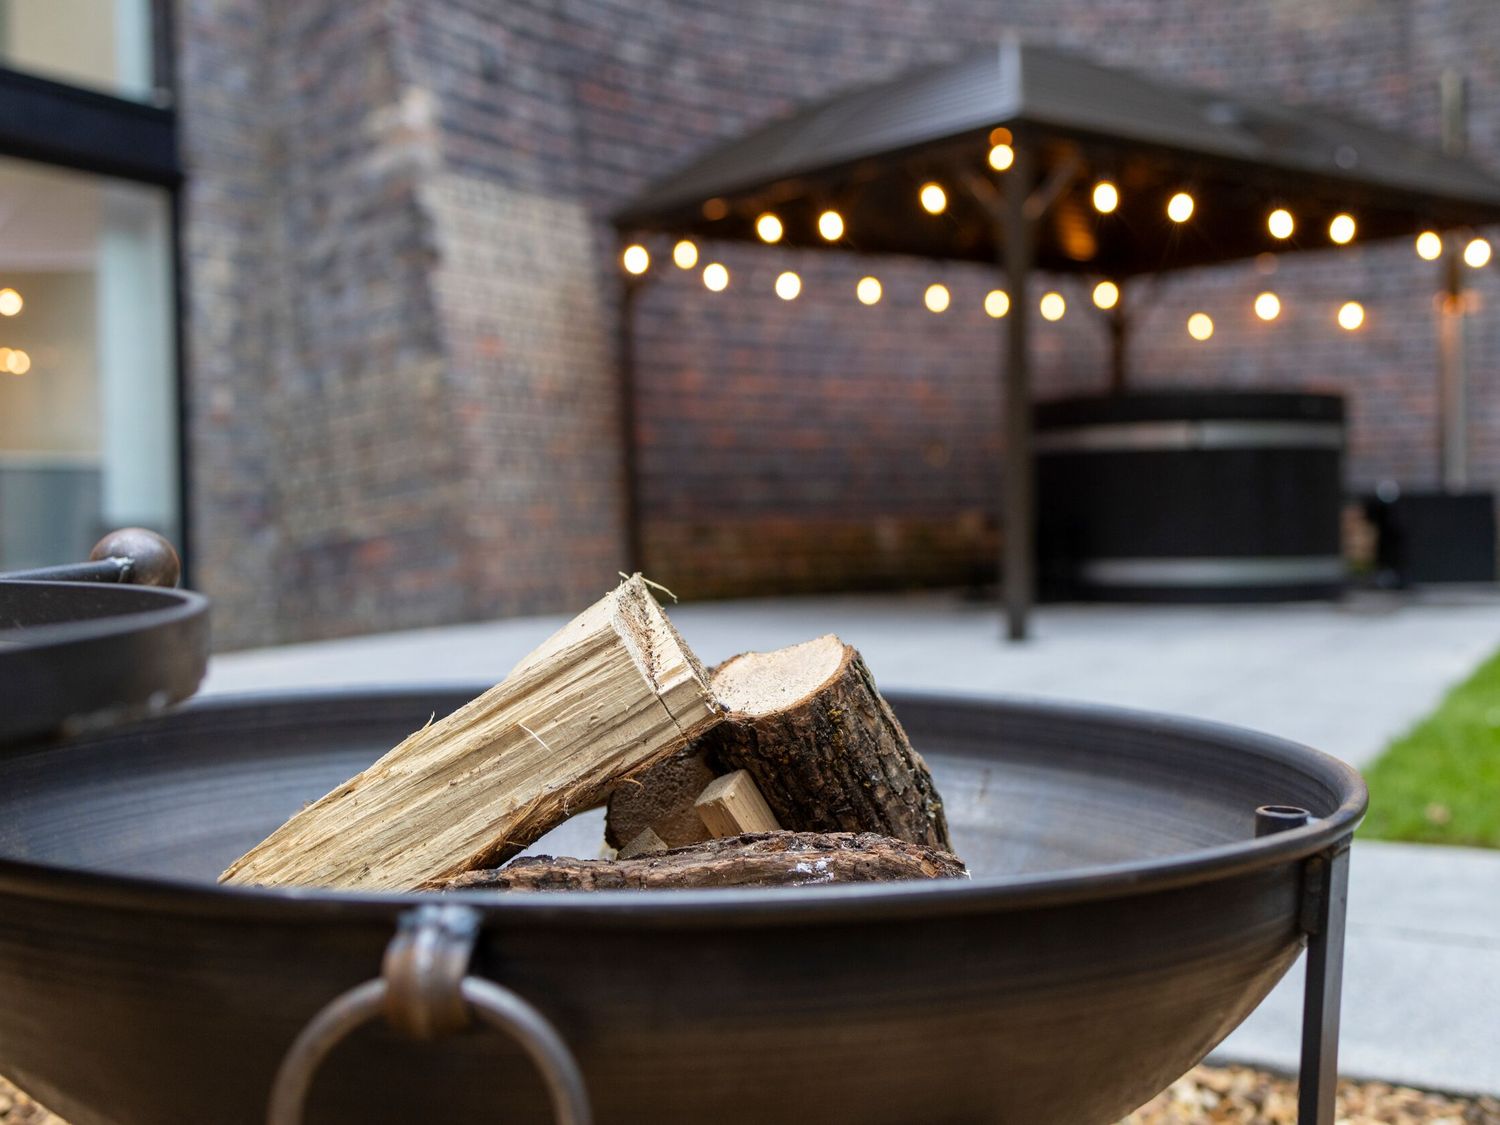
88,432
102,44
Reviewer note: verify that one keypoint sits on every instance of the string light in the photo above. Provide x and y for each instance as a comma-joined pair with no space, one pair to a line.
937,298
636,259
1268,306
768,228
1341,229
1351,315
1180,207
788,285
1053,306
1002,156
716,277
1200,326
1429,245
1106,294
1280,223
831,225
868,290
1477,253
17,362
1106,197
685,254
934,199
10,302
997,303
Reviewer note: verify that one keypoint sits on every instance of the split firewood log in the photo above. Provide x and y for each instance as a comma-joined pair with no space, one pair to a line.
821,743
614,690
757,859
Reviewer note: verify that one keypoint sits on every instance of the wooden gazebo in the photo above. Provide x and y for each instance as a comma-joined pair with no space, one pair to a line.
1031,158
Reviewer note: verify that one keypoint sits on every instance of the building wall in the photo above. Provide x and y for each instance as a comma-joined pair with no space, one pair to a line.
404,298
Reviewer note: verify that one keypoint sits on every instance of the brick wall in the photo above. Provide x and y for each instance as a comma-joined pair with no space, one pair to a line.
404,297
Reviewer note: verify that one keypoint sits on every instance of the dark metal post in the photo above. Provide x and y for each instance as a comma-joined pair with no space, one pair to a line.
1017,530
625,361
1119,343
1326,891
1454,376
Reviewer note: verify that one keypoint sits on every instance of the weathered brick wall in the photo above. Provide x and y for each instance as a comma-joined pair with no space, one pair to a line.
404,294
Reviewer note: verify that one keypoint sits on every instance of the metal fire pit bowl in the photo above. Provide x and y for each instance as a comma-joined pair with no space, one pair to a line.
1124,916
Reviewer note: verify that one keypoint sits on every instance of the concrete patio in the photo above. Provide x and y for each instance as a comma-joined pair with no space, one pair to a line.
1422,985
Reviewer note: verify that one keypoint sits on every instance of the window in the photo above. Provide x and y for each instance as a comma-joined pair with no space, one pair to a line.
88,394
101,45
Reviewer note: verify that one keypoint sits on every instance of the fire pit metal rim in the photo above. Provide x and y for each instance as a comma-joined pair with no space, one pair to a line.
752,906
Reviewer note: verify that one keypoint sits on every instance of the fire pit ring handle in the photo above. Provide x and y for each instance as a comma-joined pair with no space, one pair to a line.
425,992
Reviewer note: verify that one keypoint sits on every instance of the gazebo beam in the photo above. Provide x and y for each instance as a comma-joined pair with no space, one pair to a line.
1017,532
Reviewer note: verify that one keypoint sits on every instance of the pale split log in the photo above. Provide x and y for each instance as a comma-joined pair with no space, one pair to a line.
769,859
732,805
611,692
644,843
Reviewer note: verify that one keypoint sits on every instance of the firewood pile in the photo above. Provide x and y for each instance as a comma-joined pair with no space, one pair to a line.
783,768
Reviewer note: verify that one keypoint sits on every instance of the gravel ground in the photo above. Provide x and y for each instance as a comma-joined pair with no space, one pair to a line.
1206,1095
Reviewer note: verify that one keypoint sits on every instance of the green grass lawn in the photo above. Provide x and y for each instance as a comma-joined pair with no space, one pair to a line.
1440,782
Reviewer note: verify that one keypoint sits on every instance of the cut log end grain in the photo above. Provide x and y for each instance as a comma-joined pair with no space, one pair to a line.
660,798
764,859
612,692
827,752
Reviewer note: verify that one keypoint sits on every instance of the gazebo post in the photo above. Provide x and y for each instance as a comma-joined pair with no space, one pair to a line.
1119,344
625,384
1017,485
1453,372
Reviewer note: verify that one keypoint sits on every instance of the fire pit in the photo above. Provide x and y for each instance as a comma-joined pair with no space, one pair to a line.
1129,907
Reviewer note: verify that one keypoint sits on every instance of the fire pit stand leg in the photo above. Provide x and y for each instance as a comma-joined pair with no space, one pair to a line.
1325,898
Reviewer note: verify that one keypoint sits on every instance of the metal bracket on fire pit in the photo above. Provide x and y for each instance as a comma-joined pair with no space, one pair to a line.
424,991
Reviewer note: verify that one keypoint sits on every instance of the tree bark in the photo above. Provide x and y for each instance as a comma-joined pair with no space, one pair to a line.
660,798
758,859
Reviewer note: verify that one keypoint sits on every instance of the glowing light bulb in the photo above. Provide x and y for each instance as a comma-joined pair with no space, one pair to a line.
868,290
1106,295
635,259
937,298
788,285
685,254
1476,254
1341,229
1268,306
1200,326
997,303
934,199
1106,197
1429,245
1002,156
1180,207
10,302
1053,306
1351,315
716,277
1280,223
768,228
18,362
831,225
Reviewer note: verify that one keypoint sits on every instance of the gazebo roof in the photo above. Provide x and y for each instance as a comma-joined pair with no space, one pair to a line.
866,153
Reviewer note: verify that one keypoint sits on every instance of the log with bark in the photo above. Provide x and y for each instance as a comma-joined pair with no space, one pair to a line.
613,691
757,859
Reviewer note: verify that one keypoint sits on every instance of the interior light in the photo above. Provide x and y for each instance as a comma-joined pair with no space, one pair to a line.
1106,295
868,290
716,277
768,228
1341,229
934,199
1351,315
1280,223
831,225
937,298
635,259
1106,197
10,302
1476,254
1268,306
788,285
685,254
1002,156
1053,306
1430,245
997,303
1180,207
1200,326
